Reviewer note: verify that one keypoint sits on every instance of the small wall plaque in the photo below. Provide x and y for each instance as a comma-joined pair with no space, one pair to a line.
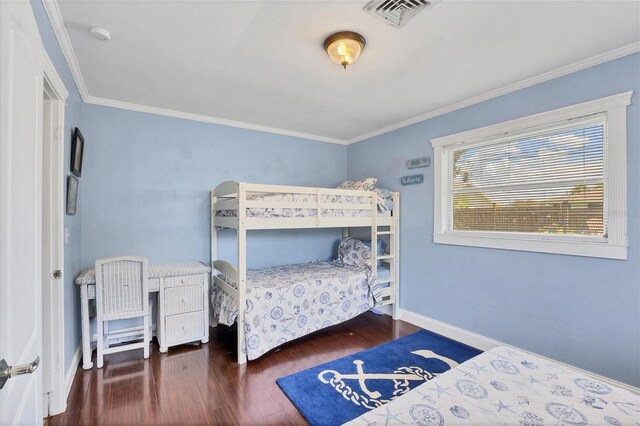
419,162
412,180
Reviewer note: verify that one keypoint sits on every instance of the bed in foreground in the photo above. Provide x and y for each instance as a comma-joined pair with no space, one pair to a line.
507,387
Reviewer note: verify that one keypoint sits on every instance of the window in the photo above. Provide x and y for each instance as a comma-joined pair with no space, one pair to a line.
553,182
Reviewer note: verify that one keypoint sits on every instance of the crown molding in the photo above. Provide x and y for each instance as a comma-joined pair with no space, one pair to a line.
559,72
57,22
55,17
207,119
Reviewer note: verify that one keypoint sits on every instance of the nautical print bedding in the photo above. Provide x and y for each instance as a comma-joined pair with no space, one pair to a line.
384,207
290,301
507,387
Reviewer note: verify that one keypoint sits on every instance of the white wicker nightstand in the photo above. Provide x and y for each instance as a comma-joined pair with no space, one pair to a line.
183,309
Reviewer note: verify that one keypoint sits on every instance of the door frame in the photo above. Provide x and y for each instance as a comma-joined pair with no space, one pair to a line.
53,301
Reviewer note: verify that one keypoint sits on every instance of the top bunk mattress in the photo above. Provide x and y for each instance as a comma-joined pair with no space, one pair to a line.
385,205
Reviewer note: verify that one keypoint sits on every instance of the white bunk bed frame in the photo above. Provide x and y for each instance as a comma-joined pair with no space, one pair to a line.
232,195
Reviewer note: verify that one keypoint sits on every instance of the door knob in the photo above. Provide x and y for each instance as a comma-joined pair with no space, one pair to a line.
7,371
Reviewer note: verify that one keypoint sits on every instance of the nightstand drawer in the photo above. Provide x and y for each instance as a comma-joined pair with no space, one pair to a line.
184,280
184,327
178,300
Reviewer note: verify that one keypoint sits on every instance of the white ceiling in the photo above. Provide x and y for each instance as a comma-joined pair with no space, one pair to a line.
262,62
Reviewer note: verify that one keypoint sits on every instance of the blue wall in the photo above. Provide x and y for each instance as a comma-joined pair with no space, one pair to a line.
145,187
146,182
582,311
73,117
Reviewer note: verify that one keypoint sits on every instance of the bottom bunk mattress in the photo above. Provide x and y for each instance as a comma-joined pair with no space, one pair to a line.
290,301
504,386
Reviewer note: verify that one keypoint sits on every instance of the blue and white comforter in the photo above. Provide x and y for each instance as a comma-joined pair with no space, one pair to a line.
290,301
507,387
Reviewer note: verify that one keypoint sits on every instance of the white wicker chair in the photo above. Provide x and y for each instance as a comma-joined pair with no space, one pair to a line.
122,291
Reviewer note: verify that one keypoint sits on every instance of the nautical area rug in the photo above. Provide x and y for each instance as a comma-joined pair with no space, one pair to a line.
341,390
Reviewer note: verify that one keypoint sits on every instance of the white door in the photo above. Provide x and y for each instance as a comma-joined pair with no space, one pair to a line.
21,80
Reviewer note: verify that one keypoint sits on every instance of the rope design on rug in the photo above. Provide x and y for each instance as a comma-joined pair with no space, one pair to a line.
400,385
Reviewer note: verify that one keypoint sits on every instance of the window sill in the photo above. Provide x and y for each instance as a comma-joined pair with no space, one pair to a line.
601,249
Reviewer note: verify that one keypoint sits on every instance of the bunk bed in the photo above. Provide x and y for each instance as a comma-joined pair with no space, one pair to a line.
246,207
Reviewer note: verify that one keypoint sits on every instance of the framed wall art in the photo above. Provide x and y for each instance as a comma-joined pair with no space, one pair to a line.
72,195
77,150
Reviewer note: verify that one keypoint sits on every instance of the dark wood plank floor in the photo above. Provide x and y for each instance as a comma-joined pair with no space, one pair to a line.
203,384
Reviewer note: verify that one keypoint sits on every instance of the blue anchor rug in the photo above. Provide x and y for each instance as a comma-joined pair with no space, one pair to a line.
341,390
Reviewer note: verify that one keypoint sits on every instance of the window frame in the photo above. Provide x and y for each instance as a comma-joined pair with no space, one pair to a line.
613,246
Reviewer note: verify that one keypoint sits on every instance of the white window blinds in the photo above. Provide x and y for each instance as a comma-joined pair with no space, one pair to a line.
551,182
545,182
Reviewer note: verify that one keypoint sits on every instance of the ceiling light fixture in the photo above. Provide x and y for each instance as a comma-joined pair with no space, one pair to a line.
344,47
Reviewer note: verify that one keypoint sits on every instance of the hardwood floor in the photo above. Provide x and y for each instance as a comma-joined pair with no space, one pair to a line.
203,384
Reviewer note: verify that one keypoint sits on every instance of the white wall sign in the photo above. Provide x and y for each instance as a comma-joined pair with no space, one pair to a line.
419,162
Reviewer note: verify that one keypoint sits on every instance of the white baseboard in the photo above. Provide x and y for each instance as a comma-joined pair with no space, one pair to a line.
75,362
485,343
467,337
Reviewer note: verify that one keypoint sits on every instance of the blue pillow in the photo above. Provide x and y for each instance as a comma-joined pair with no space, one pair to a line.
353,251
388,199
382,247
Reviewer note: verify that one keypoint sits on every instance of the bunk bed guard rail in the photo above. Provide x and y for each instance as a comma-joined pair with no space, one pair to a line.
236,204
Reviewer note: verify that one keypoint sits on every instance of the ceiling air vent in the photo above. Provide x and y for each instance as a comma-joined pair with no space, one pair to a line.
397,12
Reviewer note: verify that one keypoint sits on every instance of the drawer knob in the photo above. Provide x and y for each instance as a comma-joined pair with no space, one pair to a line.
183,300
182,281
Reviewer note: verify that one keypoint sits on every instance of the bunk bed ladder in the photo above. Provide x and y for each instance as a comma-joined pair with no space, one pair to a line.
387,285
390,286
374,236
394,241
